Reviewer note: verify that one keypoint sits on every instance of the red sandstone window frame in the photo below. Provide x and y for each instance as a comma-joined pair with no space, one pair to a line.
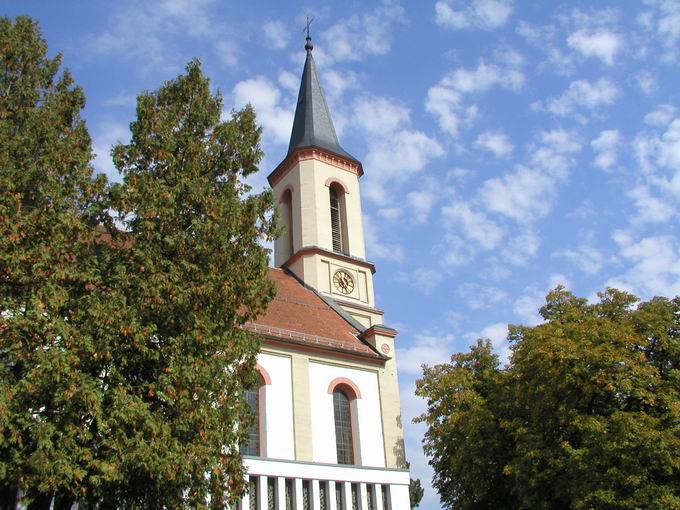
353,393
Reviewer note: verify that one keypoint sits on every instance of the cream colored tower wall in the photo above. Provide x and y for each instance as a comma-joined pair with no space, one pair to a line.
309,181
322,175
291,181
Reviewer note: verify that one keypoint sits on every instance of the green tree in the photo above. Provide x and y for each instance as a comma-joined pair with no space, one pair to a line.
585,415
49,208
122,359
190,270
415,492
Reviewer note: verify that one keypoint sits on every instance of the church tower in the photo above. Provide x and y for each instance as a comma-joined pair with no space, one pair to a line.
317,187
328,433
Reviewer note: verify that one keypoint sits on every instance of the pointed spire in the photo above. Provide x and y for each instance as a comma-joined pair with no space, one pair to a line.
312,125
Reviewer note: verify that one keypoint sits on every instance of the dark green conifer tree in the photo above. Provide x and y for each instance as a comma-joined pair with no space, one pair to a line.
122,360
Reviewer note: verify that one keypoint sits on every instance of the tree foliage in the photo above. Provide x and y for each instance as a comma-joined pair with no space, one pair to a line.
415,492
585,415
122,359
49,208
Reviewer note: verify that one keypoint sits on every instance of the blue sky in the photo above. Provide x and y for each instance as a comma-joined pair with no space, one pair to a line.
507,147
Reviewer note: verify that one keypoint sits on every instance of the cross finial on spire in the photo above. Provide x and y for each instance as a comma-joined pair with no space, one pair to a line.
309,46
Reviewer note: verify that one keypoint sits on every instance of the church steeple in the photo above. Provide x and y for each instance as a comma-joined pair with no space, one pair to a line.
312,125
319,206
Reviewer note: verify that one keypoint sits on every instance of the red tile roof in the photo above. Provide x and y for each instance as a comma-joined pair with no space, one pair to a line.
298,315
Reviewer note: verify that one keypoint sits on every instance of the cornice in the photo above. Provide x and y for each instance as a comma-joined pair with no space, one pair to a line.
317,250
298,155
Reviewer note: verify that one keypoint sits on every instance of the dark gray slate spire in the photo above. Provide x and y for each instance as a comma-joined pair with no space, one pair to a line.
312,126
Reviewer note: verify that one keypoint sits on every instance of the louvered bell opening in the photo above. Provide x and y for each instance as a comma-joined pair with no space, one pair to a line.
336,231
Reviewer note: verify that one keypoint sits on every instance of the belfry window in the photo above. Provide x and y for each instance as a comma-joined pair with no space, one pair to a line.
336,220
287,221
344,441
338,193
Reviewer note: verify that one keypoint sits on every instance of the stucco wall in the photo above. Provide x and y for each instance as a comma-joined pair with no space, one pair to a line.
368,420
280,443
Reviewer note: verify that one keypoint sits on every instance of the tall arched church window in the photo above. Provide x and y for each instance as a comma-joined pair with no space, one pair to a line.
255,397
338,219
252,396
344,441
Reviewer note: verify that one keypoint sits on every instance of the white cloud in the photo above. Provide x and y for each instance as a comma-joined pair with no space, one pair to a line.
405,153
359,36
606,147
424,279
524,194
375,114
289,81
336,83
495,142
455,251
447,102
650,209
543,38
646,81
602,44
659,157
476,226
426,348
655,268
150,32
275,117
106,135
421,201
376,247
446,105
528,305
484,77
484,14
583,94
522,247
586,257
662,116
498,334
662,22
396,152
478,296
228,52
275,34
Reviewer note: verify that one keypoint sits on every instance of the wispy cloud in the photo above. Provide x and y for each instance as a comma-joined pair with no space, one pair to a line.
275,34
482,14
602,44
606,147
362,35
449,100
583,96
151,33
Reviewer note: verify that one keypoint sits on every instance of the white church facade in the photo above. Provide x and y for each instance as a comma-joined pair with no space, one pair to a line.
329,433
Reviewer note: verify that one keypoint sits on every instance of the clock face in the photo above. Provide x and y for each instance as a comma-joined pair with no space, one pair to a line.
343,281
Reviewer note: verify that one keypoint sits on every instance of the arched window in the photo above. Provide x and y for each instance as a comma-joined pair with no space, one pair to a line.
286,219
336,222
344,440
254,396
338,218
